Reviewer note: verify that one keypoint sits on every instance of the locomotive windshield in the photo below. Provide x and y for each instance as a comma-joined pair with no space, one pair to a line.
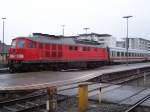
13,44
31,44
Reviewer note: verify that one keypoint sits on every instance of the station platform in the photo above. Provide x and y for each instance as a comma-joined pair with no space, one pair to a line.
39,80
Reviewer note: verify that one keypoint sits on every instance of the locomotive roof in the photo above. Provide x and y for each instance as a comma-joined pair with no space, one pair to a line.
70,40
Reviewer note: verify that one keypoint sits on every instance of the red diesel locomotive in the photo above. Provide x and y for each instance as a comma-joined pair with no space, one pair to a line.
43,51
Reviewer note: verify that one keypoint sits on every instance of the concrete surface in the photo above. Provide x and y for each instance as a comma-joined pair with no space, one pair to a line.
38,80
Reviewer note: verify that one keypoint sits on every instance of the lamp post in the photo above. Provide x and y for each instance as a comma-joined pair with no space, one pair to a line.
127,40
3,38
63,29
86,30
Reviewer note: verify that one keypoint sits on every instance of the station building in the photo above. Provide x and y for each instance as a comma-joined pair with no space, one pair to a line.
105,40
138,43
3,52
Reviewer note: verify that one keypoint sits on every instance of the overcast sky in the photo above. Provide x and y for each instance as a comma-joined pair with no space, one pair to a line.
101,16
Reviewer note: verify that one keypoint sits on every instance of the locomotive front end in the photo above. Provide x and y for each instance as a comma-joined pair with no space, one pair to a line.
16,53
16,50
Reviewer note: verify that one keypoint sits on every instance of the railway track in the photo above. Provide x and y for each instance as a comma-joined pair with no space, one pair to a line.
4,70
22,104
33,102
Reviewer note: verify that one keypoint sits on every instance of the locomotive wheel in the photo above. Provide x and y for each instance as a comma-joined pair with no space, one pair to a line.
12,70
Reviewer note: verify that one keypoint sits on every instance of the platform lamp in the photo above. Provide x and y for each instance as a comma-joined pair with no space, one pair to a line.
86,29
127,39
3,38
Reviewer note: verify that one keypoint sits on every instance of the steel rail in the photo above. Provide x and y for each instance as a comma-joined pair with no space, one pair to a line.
26,99
21,99
138,103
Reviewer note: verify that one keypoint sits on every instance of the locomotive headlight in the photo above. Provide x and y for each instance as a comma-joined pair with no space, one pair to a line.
19,56
12,56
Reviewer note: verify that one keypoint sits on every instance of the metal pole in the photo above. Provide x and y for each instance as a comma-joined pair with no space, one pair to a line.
127,39
63,30
51,104
127,42
100,93
3,39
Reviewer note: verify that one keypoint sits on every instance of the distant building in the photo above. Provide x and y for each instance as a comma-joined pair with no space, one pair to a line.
6,47
120,44
105,40
149,46
139,43
3,54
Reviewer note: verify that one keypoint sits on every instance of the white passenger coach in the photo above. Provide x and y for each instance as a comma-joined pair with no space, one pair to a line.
119,55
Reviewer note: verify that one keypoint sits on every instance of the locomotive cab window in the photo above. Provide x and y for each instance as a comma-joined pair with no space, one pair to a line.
21,44
31,44
13,44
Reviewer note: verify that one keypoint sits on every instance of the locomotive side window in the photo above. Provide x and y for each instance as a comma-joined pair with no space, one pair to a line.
31,44
47,54
47,46
40,45
53,47
95,49
76,48
84,48
53,54
59,54
70,47
13,44
21,44
73,48
59,47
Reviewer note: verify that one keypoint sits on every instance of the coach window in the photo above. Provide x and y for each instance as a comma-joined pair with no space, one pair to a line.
113,53
21,44
122,54
118,54
31,44
129,54
125,53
